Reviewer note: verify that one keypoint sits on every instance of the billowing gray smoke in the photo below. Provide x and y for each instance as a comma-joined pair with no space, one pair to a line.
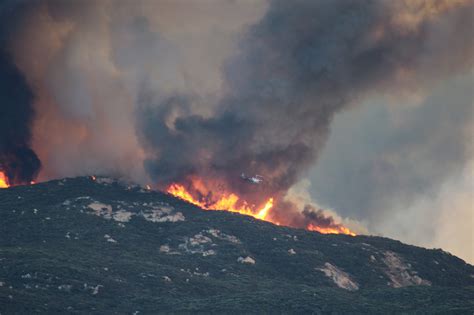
294,69
18,162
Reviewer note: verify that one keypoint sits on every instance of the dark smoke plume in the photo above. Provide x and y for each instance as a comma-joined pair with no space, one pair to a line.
294,70
17,160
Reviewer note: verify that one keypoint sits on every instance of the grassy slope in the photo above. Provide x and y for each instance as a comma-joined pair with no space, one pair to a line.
54,259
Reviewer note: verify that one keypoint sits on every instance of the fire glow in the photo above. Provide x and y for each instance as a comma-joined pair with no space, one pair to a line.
3,180
6,183
228,202
330,230
231,202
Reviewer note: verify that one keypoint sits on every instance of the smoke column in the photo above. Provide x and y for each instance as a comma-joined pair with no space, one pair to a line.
294,70
17,160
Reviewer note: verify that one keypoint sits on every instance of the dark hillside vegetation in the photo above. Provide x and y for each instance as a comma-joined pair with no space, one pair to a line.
83,246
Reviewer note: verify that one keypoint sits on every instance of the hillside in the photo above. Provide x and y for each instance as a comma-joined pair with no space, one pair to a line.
83,246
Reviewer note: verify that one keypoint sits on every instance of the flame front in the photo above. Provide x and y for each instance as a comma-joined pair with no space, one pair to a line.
3,180
339,229
229,202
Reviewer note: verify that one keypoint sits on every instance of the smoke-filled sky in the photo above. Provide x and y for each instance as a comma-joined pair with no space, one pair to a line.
417,157
365,106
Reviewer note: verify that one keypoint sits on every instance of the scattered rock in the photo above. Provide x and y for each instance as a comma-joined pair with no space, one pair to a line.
109,238
247,260
122,216
197,244
95,290
162,215
26,276
223,236
340,278
400,273
65,287
164,249
101,209
159,212
209,252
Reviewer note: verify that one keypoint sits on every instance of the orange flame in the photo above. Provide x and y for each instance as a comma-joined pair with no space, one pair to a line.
231,202
339,229
3,180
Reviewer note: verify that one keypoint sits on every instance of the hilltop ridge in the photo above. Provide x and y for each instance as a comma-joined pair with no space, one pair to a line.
80,246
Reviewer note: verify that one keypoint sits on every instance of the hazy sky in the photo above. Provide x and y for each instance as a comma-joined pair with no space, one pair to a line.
405,167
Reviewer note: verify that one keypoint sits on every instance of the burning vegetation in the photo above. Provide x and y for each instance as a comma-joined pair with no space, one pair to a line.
3,180
339,229
197,193
6,183
229,202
